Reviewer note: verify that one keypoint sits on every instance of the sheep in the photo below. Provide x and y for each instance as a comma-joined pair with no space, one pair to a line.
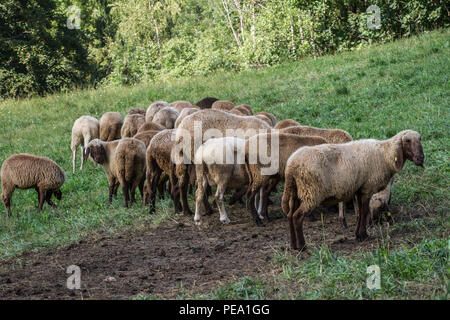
270,116
150,126
206,103
244,109
223,105
146,136
246,106
110,126
331,136
137,111
219,162
236,112
332,173
131,125
180,105
166,117
206,122
380,203
286,123
264,175
183,114
124,163
154,108
84,129
26,171
264,118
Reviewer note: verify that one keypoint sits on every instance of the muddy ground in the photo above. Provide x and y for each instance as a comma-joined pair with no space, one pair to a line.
157,261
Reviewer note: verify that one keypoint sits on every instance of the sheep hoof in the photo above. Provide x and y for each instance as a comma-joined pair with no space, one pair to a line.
344,223
197,223
225,221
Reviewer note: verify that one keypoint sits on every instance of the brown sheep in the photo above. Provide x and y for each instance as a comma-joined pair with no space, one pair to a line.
286,123
264,118
264,178
124,162
270,116
110,126
183,114
180,105
206,103
131,125
223,105
150,126
137,111
154,108
26,171
246,106
146,136
166,117
332,173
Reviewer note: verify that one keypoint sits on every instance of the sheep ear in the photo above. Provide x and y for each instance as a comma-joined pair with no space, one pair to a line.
398,156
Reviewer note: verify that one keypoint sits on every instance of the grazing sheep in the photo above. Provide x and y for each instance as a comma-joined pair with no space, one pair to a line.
270,116
246,106
286,123
166,117
223,105
331,136
26,171
276,147
236,112
244,109
379,203
209,122
131,125
123,161
137,111
332,173
84,129
183,114
146,136
219,162
150,126
206,103
154,108
110,126
180,105
264,118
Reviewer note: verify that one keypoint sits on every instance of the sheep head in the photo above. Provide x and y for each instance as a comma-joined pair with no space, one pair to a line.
412,147
96,150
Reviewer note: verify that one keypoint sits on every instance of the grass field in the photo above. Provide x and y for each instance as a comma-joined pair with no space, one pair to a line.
371,93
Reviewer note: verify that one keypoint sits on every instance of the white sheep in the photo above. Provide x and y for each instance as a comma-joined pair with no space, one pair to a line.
330,173
85,129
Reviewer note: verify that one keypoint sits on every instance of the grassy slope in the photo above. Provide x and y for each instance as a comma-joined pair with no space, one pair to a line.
374,92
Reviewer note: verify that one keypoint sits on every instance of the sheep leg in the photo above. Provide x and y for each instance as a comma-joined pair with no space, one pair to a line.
237,196
126,193
361,230
41,199
264,201
141,187
48,198
342,214
200,194
7,193
183,184
251,205
173,192
111,188
293,206
220,203
152,187
74,159
298,217
208,209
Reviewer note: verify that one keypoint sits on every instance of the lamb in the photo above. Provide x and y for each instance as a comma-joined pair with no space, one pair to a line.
219,162
183,114
208,123
286,123
223,105
150,126
380,203
26,171
84,129
331,136
137,111
206,103
154,108
180,105
332,173
166,117
270,116
123,161
131,125
265,175
110,126
146,136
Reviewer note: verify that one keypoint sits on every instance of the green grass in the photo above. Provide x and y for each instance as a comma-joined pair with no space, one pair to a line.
371,93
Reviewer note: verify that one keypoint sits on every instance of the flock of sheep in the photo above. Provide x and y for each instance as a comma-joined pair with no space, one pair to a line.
161,145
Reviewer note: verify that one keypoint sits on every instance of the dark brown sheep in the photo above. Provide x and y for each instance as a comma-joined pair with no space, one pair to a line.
206,103
150,126
110,126
286,123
